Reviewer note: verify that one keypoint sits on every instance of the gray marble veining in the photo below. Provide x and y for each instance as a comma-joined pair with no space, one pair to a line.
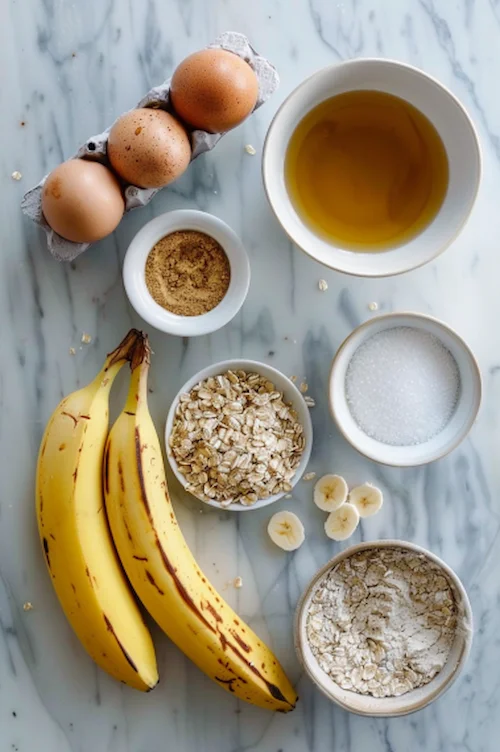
69,68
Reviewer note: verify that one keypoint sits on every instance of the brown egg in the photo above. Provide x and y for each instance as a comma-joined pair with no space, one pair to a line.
82,201
214,90
148,148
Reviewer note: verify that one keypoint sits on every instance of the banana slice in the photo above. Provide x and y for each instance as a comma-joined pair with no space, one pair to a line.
286,530
367,499
330,492
341,523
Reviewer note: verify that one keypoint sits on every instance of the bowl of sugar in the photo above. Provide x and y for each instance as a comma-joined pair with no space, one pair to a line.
404,389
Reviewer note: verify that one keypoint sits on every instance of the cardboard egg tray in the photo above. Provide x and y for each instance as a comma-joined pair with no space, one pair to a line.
158,97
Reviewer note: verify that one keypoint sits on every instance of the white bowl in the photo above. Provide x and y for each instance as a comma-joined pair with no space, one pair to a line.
459,424
282,384
134,273
386,706
433,100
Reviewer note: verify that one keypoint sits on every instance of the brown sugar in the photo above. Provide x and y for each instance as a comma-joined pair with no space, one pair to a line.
187,273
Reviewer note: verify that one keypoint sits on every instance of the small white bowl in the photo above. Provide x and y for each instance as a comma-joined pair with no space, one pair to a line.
456,429
432,99
386,706
134,273
282,384
463,417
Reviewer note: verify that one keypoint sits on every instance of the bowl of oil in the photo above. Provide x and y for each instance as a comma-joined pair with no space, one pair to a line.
372,167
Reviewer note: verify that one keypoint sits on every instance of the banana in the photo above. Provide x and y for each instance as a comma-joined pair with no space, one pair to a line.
330,492
162,569
79,552
341,523
367,499
286,530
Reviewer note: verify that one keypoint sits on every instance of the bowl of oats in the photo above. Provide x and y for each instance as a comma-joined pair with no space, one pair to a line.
384,628
238,435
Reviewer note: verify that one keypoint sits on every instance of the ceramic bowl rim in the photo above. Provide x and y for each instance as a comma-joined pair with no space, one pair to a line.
281,382
363,327
134,273
406,708
475,140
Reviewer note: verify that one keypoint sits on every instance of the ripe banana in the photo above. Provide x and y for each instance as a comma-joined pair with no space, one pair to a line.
341,523
79,552
286,530
367,499
162,569
330,492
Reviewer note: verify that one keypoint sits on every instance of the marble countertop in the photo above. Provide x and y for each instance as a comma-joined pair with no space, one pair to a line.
68,70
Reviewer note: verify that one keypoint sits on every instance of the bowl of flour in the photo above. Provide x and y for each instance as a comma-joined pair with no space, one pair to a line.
384,628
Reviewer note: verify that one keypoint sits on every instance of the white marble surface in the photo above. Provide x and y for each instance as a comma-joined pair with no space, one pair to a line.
68,68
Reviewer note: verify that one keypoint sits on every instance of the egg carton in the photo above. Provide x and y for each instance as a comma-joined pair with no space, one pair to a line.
95,148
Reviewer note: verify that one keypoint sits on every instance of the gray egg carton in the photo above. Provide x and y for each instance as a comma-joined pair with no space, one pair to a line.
158,97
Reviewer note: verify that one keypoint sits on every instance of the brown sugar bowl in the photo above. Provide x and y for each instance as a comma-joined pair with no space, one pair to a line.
186,273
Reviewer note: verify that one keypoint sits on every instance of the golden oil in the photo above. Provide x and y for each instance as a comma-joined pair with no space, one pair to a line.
366,170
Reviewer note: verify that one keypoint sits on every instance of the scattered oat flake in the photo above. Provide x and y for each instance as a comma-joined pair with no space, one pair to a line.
309,476
310,402
293,378
373,306
86,338
250,150
16,175
323,285
238,582
288,496
27,606
72,351
303,387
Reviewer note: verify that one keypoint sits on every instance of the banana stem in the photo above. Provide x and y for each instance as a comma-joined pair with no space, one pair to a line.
117,358
126,348
139,363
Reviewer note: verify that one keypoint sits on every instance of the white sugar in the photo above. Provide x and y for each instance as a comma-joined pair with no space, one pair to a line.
402,386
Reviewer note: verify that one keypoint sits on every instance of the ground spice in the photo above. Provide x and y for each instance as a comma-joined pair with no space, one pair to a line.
187,273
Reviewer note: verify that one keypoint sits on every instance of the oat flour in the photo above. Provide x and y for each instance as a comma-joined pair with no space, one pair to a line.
382,622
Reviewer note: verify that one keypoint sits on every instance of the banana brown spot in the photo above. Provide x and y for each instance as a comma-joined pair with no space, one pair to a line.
214,613
73,588
75,474
228,667
120,473
128,412
127,530
229,682
140,558
151,579
106,469
69,415
46,551
52,536
87,572
127,656
62,447
241,643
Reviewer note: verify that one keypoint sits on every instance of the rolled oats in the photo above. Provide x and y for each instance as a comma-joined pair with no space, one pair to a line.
382,622
235,439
